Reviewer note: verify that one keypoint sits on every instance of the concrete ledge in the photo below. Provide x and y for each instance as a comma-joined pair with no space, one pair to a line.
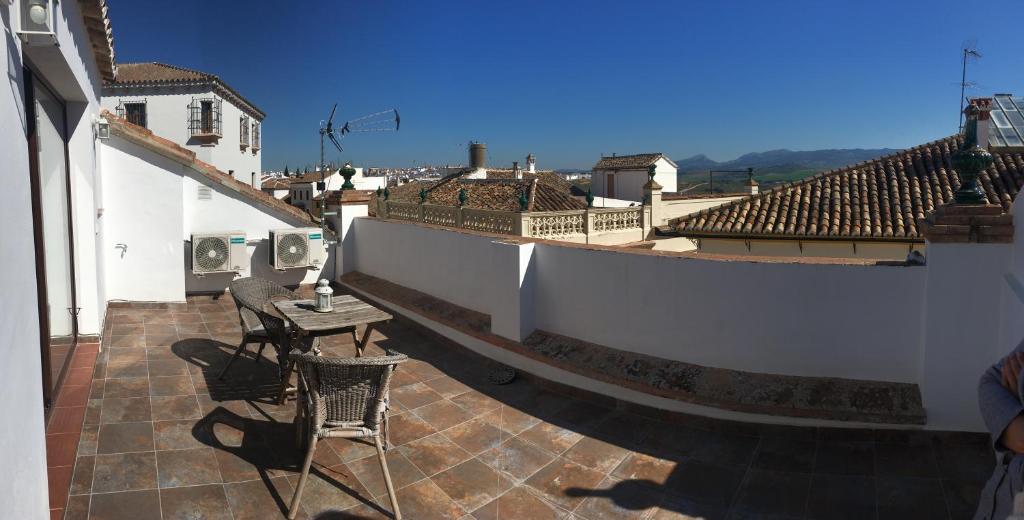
830,399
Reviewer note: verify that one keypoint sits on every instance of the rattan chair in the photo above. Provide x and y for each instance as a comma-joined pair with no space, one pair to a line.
343,397
257,295
252,329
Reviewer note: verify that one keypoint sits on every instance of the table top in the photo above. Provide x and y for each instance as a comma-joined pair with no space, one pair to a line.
348,311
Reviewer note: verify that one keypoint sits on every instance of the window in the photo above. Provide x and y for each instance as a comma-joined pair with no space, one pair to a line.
133,111
243,132
205,117
255,135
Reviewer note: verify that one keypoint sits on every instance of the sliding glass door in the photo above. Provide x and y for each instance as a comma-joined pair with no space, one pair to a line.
51,208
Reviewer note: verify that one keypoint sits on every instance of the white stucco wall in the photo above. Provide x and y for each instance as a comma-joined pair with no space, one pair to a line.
156,224
629,183
70,69
167,116
670,209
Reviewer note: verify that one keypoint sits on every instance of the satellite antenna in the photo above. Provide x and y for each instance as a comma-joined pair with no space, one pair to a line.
970,51
384,121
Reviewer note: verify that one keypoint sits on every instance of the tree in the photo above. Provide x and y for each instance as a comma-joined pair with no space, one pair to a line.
286,170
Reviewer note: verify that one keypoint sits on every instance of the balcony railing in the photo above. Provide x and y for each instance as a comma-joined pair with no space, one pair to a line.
626,224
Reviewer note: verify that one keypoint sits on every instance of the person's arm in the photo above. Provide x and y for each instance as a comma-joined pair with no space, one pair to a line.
1001,408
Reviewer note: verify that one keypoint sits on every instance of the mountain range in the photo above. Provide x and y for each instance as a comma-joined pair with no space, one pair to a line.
802,160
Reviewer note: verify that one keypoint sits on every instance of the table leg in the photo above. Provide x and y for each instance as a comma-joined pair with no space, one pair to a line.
285,368
361,346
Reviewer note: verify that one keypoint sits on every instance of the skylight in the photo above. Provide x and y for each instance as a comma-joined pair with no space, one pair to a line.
1007,126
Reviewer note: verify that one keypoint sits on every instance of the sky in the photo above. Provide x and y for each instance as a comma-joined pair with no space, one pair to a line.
572,80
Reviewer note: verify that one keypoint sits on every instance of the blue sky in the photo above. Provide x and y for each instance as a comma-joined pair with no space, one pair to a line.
569,81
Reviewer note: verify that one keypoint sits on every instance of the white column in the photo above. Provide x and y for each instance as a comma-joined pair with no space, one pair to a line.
512,314
344,250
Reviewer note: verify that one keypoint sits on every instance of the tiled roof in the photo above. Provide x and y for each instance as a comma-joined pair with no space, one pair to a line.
146,139
276,183
630,162
881,199
101,36
162,74
495,194
548,177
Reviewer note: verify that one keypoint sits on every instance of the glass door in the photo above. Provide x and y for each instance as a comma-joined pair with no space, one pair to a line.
51,208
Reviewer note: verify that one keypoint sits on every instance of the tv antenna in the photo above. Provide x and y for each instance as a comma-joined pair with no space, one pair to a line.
384,121
969,51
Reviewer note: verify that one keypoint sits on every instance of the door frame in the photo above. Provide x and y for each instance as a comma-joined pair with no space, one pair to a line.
609,185
50,386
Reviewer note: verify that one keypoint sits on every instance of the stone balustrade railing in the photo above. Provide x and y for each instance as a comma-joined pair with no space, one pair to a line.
574,225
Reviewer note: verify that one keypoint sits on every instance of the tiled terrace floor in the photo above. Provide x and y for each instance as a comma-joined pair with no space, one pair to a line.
163,438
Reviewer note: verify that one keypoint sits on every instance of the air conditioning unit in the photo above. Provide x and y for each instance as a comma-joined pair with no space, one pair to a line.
223,252
297,247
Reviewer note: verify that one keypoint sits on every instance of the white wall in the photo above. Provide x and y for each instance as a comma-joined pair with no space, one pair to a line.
670,209
157,222
70,68
167,116
797,319
629,183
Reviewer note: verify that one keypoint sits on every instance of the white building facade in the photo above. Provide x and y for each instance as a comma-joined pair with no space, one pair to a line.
193,109
623,176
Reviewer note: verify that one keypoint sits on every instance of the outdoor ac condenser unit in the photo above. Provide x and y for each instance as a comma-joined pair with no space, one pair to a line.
297,247
219,252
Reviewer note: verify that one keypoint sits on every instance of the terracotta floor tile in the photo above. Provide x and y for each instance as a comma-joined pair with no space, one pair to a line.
258,500
170,385
414,396
613,499
81,479
434,453
476,403
126,387
192,467
330,490
130,505
443,414
472,484
351,449
516,458
448,387
124,472
132,341
206,502
77,507
125,437
402,471
169,408
58,483
408,427
510,419
66,419
561,480
551,437
121,369
61,448
639,466
520,502
425,500
476,436
596,454
73,395
125,409
88,442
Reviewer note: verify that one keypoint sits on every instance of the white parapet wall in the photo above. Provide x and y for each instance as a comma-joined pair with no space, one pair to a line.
852,320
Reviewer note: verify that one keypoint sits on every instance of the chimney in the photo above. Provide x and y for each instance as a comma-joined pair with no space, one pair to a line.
984,115
531,164
477,160
516,172
751,183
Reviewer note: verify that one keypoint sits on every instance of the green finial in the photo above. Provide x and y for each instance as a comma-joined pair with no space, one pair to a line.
590,198
387,193
462,196
970,160
423,195
347,172
651,171
523,201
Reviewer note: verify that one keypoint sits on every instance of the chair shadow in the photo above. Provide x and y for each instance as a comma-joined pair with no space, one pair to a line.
270,447
248,379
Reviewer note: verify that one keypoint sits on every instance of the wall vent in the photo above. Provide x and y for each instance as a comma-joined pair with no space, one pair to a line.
204,193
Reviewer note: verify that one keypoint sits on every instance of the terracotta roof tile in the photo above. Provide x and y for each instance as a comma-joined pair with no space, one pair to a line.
878,199
162,74
101,36
629,162
147,139
495,194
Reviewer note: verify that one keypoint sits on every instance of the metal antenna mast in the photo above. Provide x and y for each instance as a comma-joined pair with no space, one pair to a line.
968,51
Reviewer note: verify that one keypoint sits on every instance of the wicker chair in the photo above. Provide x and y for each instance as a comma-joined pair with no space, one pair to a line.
257,295
343,397
252,329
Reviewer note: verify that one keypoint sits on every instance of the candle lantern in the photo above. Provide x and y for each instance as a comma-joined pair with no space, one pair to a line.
323,296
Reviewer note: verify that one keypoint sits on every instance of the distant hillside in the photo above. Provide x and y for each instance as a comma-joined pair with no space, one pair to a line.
770,168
